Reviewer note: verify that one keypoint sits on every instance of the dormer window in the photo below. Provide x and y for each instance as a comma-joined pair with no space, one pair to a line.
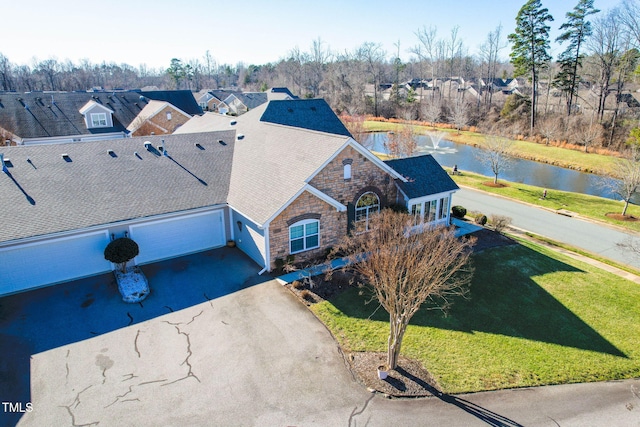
98,120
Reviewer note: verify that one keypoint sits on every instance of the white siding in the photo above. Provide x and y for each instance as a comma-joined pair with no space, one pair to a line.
249,238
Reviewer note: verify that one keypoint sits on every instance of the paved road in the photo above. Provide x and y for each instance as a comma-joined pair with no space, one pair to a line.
587,235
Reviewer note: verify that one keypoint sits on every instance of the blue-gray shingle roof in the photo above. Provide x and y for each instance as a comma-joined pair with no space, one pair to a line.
104,182
424,174
311,114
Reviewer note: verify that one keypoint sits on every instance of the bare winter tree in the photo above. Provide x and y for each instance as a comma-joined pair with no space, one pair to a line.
628,182
550,127
408,269
459,114
587,134
496,154
355,126
431,111
402,142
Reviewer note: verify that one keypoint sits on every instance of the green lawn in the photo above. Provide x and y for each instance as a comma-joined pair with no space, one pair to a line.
533,317
582,204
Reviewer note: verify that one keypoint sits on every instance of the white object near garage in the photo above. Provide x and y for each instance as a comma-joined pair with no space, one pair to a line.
36,264
171,237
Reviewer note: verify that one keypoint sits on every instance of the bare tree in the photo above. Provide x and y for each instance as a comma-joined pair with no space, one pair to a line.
628,182
402,142
604,46
355,126
550,127
587,134
406,269
459,114
432,110
489,52
496,154
373,56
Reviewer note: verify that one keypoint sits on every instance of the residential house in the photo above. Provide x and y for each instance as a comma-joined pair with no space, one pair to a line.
157,118
58,117
285,179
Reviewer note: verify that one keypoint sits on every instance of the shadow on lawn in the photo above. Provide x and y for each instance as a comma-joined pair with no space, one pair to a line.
505,300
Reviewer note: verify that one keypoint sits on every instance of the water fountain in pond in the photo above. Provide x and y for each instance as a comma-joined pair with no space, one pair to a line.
436,138
429,143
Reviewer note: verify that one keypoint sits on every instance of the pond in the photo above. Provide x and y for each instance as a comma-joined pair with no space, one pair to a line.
448,153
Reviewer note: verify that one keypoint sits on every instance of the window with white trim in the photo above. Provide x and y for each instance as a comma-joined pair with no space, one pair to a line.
347,171
98,120
367,204
304,235
443,208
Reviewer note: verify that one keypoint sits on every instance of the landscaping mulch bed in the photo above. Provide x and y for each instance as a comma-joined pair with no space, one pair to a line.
409,379
621,217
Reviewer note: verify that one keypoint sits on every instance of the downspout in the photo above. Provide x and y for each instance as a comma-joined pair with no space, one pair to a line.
267,252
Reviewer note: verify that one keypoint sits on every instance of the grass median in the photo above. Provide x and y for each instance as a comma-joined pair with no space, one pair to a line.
533,317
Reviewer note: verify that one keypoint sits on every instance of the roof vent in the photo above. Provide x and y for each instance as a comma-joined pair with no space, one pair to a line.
112,153
135,153
147,145
4,167
233,122
66,158
221,142
240,136
199,146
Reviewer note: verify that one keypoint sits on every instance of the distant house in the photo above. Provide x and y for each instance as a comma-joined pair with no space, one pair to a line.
285,180
157,118
240,103
58,117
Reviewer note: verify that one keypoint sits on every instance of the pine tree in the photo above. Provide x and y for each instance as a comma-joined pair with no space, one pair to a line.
576,30
529,53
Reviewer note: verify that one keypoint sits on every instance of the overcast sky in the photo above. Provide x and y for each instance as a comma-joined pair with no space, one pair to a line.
251,31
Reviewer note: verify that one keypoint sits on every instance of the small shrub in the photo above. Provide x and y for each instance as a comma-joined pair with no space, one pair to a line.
481,219
398,207
297,284
500,222
307,295
120,251
458,212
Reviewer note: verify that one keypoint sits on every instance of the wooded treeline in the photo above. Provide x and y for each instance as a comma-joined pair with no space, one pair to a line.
584,96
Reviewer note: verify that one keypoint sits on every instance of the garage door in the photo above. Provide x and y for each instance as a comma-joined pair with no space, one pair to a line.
178,236
38,264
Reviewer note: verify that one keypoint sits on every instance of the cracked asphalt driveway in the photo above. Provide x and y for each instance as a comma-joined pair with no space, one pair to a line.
254,357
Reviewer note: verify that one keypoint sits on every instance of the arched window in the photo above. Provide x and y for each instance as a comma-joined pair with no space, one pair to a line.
368,203
304,235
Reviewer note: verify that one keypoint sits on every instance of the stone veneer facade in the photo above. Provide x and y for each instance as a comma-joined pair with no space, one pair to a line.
365,176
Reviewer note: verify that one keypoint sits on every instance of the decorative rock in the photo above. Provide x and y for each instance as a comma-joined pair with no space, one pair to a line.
133,284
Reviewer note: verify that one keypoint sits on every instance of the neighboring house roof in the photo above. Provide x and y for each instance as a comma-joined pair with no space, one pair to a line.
251,99
206,123
181,99
49,115
149,111
312,114
424,176
45,194
38,115
280,93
